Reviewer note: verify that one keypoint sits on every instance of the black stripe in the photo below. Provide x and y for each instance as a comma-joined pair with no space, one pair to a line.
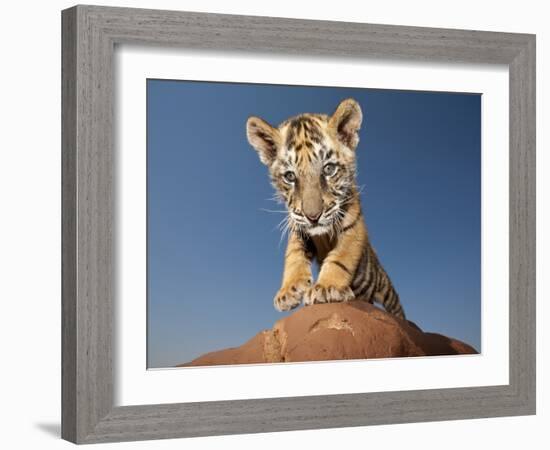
338,176
351,225
323,183
398,311
368,284
359,278
379,282
370,291
339,264
370,271
391,302
358,281
360,290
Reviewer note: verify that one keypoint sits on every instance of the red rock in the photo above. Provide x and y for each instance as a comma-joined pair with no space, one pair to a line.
354,330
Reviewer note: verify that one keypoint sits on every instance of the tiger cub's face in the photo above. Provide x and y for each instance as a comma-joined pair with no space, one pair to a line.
311,161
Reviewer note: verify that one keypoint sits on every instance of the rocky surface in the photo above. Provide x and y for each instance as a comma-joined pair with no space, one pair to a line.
355,330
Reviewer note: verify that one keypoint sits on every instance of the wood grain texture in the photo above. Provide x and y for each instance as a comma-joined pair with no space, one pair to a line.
88,208
523,224
89,37
68,225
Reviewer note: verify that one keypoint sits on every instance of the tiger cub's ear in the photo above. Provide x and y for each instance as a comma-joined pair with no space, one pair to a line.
346,122
264,138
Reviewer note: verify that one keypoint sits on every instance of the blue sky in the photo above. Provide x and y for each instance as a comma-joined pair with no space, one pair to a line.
215,257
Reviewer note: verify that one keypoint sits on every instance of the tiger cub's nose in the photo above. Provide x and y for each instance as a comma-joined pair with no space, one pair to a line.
313,218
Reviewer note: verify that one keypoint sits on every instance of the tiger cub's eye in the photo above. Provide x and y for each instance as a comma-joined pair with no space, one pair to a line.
289,177
329,169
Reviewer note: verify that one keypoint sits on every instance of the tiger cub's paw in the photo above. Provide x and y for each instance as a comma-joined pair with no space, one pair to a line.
290,295
327,294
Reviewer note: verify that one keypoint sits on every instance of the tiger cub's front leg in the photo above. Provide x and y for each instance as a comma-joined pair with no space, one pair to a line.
338,267
296,276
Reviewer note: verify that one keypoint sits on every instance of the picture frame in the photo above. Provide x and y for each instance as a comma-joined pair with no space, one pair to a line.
89,37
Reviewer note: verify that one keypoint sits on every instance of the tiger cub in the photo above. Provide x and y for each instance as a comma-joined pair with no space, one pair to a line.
311,161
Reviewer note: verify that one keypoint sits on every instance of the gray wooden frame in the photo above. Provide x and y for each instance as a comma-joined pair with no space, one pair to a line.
89,36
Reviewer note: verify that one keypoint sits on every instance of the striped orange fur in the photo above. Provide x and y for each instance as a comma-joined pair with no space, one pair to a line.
311,161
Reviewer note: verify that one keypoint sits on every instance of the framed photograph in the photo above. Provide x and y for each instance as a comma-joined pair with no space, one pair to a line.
279,224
